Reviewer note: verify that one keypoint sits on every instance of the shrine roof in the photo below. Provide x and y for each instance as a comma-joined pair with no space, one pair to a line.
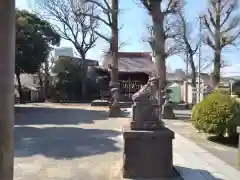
132,62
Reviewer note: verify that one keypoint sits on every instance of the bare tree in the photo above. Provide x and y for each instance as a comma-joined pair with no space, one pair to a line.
44,77
171,34
222,22
104,11
108,16
160,34
188,45
103,14
76,28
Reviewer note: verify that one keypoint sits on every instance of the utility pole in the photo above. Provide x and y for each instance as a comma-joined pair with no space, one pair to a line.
186,81
7,64
114,110
199,60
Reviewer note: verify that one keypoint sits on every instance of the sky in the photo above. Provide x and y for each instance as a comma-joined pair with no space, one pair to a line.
133,19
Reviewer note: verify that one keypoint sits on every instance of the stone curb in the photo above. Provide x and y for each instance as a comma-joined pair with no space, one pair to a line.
194,163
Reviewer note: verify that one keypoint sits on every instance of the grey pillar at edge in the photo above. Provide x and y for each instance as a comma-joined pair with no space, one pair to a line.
7,61
238,158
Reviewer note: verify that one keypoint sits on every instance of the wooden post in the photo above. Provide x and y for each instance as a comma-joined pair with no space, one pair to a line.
7,56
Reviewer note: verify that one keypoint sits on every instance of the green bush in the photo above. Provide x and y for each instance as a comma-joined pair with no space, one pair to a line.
217,114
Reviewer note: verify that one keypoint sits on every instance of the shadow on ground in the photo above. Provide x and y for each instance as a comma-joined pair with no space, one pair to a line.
189,173
63,142
227,141
56,116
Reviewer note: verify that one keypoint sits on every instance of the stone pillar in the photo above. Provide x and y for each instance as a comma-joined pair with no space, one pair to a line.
185,83
167,109
147,143
147,154
7,55
238,130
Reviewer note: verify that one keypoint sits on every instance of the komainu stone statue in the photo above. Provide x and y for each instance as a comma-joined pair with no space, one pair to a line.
145,108
114,109
147,142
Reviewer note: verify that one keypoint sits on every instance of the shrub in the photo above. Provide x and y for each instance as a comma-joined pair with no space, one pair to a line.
217,114
236,88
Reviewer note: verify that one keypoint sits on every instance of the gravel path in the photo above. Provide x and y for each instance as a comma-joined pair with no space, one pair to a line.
57,142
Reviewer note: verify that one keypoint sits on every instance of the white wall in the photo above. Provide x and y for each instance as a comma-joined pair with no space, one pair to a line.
187,99
64,51
190,93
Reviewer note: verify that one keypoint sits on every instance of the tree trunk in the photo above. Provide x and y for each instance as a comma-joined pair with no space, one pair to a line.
84,80
216,68
114,107
19,87
114,44
159,40
46,80
217,53
194,79
41,93
7,54
84,76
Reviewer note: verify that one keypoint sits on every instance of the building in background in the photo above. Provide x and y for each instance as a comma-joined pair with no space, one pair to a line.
134,69
30,87
64,51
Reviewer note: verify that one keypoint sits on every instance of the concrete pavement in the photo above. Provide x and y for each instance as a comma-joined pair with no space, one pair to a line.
63,143
194,163
227,153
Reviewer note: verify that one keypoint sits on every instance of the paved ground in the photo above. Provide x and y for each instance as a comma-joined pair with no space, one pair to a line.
63,143
79,142
67,142
195,163
227,153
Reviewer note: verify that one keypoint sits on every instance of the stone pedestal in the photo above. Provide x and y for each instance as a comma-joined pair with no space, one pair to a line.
147,154
114,111
168,112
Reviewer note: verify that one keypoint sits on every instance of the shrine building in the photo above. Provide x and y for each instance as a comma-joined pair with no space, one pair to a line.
134,70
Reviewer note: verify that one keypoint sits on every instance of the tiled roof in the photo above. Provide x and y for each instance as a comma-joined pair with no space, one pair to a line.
90,62
132,62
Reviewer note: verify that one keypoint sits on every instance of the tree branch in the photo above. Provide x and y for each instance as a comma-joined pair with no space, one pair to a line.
172,7
105,10
207,24
78,29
